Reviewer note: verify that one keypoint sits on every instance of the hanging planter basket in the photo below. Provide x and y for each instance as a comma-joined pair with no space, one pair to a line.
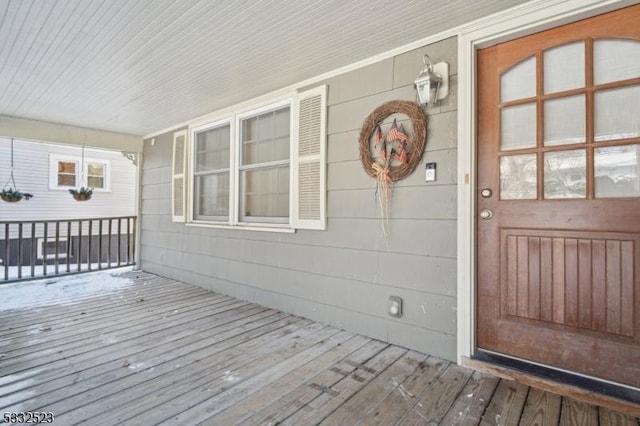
13,196
82,194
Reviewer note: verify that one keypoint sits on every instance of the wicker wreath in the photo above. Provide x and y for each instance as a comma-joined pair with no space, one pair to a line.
419,122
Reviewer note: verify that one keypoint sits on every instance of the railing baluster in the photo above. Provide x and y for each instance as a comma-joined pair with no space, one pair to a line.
128,257
7,257
57,259
89,247
133,246
44,249
119,239
100,244
109,245
32,260
68,246
20,250
79,245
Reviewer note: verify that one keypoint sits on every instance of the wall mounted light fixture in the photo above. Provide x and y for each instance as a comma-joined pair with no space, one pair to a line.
433,82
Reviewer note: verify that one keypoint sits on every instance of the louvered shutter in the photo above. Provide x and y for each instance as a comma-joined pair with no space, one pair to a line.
178,173
308,161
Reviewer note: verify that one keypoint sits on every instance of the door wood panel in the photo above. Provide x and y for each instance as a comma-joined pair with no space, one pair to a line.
558,280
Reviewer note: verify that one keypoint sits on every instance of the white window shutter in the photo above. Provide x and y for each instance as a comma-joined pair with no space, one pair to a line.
178,173
309,161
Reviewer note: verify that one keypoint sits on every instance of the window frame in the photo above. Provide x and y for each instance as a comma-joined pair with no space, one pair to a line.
192,171
42,253
54,159
234,119
239,168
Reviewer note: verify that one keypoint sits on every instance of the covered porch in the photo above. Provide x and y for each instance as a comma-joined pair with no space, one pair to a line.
154,350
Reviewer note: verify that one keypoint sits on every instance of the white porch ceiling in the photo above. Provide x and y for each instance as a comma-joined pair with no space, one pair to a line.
138,66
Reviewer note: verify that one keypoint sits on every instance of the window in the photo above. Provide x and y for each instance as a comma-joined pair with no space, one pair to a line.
265,140
49,250
247,170
67,172
211,173
96,173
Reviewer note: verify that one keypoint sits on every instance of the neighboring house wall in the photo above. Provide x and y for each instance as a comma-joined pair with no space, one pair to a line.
32,175
342,276
34,169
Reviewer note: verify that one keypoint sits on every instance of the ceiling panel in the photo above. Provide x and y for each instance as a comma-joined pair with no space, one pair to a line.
141,66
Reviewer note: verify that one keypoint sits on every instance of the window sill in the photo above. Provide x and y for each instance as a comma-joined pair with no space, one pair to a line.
284,229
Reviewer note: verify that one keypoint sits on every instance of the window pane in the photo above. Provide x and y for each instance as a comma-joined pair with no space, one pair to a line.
615,60
617,113
211,196
66,167
616,171
565,174
66,180
518,177
212,149
519,82
564,67
265,138
266,193
95,182
95,169
518,127
564,121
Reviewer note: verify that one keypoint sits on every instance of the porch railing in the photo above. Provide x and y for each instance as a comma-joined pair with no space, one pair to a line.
35,249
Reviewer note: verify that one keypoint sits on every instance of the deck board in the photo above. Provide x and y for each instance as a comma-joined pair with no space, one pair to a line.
164,352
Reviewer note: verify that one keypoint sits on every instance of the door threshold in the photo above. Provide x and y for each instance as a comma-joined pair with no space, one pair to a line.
585,389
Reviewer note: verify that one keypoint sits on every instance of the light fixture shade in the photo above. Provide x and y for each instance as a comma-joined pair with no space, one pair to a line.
430,83
427,85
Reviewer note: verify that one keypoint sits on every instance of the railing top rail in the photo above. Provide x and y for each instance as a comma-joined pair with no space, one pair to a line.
17,222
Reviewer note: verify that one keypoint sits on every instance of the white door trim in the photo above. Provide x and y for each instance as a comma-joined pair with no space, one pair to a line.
529,18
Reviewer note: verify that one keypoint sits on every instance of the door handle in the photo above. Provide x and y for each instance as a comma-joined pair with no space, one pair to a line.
486,214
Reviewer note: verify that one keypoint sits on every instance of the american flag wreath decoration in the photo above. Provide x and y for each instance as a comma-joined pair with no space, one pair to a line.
394,155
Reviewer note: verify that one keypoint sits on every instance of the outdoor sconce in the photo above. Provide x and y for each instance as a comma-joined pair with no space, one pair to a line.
433,82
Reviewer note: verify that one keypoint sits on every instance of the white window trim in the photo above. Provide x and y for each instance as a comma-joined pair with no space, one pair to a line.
41,252
191,169
53,172
233,118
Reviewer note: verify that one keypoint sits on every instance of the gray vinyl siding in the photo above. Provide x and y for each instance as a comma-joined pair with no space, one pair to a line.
342,276
31,161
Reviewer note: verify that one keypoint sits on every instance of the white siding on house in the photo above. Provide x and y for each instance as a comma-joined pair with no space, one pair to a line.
31,171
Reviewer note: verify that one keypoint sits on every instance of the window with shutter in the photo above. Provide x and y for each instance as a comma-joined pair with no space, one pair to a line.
309,159
178,181
262,168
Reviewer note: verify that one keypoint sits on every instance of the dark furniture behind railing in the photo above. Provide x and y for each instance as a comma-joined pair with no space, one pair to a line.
34,249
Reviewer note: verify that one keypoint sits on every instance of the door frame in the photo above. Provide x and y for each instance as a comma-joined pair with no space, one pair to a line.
529,18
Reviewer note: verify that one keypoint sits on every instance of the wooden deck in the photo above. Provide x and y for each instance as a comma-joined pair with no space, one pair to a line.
161,351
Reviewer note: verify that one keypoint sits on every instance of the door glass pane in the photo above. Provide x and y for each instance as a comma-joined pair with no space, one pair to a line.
266,193
616,171
565,174
615,60
518,177
211,193
212,149
519,82
564,67
617,113
518,127
564,120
